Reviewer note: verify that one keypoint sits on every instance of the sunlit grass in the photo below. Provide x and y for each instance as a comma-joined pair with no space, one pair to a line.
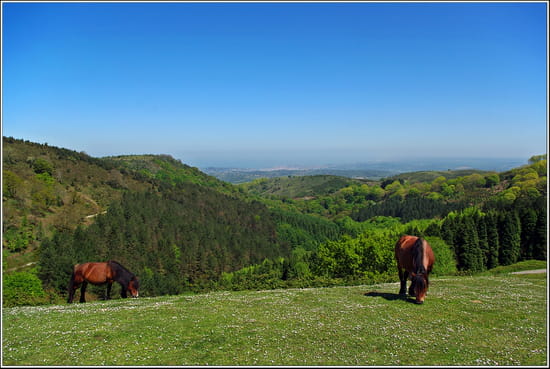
487,320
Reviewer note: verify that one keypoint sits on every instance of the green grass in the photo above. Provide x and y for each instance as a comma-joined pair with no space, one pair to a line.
481,320
517,267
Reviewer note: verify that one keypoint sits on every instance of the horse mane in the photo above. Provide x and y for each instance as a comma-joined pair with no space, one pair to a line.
418,256
120,267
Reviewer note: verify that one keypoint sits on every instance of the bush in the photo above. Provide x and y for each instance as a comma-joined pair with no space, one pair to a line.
22,288
41,166
445,263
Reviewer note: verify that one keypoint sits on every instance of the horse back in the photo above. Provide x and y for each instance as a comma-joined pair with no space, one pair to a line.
95,273
404,252
407,255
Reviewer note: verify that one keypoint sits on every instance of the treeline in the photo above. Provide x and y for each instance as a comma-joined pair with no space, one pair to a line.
365,259
507,227
466,241
485,240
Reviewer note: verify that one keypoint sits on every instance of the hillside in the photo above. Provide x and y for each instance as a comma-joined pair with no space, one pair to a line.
299,186
182,230
429,176
169,170
47,190
173,225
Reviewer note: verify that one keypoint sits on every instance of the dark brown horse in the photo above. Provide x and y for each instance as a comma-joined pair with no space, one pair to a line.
415,259
102,273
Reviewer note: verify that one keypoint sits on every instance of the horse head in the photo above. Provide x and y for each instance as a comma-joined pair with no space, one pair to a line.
133,286
420,282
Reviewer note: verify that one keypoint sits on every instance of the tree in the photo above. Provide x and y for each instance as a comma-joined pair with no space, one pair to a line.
491,222
528,220
509,238
492,180
483,241
540,236
469,255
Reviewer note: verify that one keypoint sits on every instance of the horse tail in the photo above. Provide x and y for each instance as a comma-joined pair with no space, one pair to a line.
418,256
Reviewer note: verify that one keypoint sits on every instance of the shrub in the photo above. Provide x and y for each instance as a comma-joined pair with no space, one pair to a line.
22,288
445,263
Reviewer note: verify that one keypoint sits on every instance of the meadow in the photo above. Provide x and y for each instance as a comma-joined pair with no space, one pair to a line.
468,320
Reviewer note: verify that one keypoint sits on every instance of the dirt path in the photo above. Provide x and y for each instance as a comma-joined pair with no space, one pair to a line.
535,271
22,266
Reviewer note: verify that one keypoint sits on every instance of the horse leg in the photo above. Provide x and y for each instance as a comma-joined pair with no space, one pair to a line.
83,291
403,275
109,285
411,288
71,290
123,291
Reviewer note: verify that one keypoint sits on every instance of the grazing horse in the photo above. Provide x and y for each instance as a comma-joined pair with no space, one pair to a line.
101,273
415,259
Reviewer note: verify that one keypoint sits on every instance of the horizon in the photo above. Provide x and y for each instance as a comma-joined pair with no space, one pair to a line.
416,164
264,85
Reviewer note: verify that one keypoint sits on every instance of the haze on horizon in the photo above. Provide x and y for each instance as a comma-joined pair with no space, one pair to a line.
278,84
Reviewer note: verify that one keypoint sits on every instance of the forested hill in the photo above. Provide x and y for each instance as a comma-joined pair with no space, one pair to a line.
300,186
182,230
149,212
174,226
47,188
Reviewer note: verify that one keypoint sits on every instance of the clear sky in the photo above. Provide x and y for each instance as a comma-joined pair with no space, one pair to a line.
267,84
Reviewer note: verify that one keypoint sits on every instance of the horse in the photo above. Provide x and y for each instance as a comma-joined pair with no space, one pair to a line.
415,259
102,273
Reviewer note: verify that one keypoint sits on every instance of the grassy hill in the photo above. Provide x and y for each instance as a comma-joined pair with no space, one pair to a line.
467,321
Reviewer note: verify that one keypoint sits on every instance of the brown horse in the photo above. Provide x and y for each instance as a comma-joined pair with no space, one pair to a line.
415,259
102,273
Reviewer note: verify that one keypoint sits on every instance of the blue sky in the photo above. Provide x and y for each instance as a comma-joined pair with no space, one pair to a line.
273,84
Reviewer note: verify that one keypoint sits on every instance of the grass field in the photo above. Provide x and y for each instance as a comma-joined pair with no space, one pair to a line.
483,320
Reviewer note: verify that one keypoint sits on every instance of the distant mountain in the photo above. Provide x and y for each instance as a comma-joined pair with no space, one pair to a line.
369,170
237,176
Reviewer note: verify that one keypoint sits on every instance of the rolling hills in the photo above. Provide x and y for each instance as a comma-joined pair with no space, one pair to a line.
182,230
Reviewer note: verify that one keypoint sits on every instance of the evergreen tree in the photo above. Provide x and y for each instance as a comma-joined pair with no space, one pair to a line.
470,256
491,221
483,241
509,238
540,236
528,218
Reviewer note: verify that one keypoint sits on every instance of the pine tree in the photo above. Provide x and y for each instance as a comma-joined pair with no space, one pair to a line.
510,238
541,232
482,237
470,255
528,227
491,222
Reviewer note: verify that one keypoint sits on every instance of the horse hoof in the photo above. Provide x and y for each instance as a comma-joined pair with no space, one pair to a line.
418,302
